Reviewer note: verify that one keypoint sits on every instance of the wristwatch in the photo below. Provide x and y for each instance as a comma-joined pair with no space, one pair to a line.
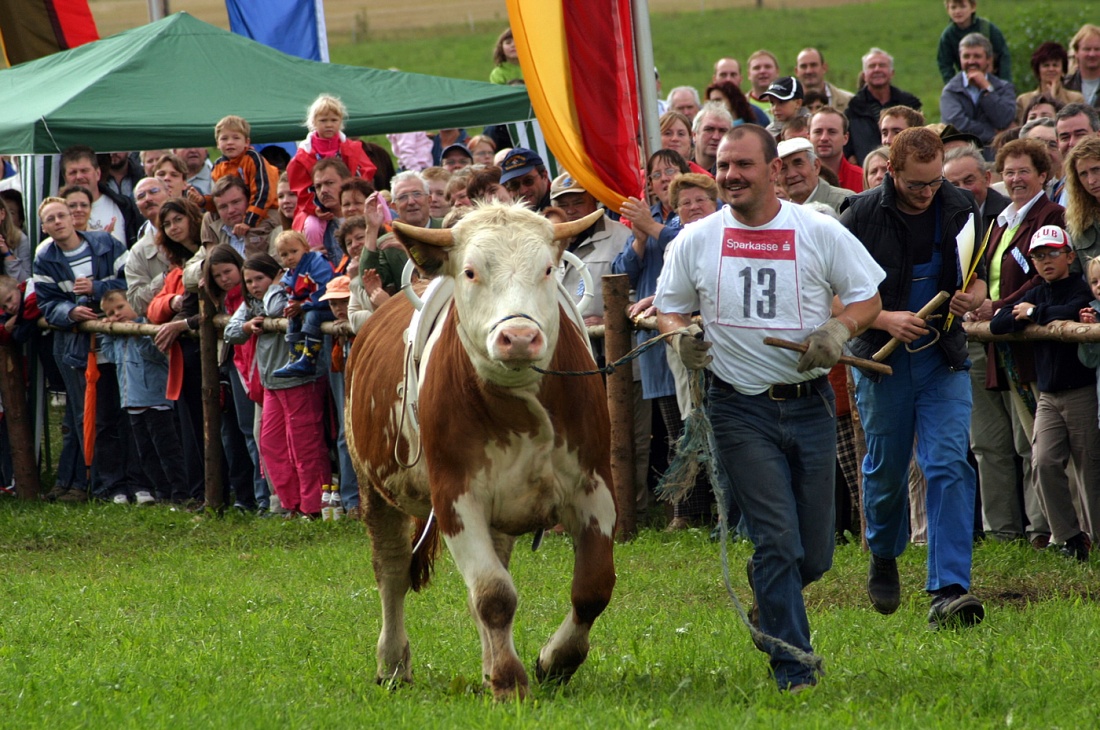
1030,313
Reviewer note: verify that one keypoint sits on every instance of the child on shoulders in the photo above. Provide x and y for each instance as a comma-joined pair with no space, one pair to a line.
304,281
240,158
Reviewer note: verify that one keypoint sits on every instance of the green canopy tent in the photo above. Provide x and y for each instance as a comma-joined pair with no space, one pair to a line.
165,85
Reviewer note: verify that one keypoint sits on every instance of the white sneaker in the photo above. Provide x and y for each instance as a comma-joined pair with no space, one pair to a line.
120,499
144,497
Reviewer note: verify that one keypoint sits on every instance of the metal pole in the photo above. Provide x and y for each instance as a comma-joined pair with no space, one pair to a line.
647,84
620,401
157,10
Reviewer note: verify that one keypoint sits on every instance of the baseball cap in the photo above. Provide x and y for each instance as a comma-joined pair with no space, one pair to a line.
518,163
784,89
338,288
795,144
1049,236
564,184
457,146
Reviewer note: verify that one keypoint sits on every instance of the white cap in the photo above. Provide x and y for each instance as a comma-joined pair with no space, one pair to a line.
795,144
1050,236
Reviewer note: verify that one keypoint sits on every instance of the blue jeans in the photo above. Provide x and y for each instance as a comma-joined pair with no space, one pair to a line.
922,398
780,457
307,324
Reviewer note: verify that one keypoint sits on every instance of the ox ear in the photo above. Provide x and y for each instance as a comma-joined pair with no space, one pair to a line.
565,231
428,247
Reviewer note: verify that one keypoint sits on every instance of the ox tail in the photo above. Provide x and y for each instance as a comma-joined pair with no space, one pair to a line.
427,546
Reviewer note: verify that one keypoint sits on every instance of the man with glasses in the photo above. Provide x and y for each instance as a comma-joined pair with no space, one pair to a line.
523,174
910,225
707,130
146,264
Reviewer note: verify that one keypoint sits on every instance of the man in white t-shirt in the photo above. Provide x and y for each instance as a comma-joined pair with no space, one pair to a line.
765,267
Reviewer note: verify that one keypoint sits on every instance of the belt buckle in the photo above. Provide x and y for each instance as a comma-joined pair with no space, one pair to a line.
772,395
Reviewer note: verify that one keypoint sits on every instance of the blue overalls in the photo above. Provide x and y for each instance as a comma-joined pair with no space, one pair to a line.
926,399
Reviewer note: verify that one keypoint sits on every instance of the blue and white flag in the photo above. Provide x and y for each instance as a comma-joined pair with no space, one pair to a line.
295,27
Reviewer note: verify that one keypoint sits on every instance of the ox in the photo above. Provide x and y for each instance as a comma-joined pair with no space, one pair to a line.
504,450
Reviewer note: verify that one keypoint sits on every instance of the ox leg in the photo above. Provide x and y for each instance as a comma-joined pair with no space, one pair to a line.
482,558
502,546
591,521
391,556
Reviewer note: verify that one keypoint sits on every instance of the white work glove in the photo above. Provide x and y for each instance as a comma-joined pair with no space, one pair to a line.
824,346
691,347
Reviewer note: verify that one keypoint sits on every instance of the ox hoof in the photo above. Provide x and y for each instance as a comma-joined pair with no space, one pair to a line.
394,681
558,673
508,693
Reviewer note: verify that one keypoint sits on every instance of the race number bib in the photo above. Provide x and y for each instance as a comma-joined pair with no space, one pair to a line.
758,280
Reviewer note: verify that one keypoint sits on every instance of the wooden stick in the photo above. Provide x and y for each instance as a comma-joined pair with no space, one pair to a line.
858,362
924,313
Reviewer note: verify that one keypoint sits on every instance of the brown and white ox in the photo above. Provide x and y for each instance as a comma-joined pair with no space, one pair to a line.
505,450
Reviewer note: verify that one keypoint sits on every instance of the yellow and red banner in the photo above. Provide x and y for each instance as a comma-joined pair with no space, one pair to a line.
31,29
577,58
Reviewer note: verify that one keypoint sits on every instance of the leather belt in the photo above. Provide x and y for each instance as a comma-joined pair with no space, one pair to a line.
780,391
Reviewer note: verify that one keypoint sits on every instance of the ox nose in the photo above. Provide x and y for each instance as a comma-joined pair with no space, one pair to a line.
519,342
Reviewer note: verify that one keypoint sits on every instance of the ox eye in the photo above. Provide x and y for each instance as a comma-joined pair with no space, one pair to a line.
549,270
470,274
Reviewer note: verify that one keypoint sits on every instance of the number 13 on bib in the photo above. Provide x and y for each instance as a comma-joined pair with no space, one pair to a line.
758,280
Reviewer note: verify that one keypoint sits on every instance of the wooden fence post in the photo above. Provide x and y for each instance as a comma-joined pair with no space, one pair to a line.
13,390
620,400
211,402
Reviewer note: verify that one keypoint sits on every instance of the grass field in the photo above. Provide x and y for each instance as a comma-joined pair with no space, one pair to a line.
455,39
119,617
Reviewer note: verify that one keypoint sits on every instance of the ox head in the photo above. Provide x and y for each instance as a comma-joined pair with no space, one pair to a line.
504,261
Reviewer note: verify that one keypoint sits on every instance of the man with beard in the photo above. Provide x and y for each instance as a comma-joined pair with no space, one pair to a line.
763,267
122,173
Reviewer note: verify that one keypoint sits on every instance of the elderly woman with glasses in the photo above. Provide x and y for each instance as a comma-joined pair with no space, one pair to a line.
642,260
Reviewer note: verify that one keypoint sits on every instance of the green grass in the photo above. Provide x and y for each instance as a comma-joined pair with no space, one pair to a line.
686,44
125,617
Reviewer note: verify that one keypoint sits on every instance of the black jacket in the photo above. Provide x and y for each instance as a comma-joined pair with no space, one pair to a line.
130,215
1056,365
862,113
873,218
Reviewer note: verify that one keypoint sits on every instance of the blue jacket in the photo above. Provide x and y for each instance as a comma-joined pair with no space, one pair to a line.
657,379
53,284
142,370
995,110
306,282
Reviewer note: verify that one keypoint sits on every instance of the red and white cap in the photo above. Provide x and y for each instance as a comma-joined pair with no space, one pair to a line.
1049,236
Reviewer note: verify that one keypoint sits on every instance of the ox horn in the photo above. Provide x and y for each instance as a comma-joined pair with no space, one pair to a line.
439,237
568,230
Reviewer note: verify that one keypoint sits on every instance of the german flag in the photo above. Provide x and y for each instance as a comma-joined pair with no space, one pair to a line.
30,29
577,58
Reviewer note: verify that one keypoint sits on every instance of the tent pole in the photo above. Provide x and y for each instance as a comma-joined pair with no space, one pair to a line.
647,83
158,9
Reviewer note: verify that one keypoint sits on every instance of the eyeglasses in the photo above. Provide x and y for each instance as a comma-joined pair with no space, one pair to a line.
146,193
515,184
415,195
1044,255
667,172
916,187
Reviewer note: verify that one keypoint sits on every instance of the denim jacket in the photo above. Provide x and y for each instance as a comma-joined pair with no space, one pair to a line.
142,370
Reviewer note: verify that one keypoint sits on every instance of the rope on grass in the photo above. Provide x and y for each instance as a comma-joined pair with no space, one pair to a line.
695,450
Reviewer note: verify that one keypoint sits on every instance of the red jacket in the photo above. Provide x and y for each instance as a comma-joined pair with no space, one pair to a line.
299,173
